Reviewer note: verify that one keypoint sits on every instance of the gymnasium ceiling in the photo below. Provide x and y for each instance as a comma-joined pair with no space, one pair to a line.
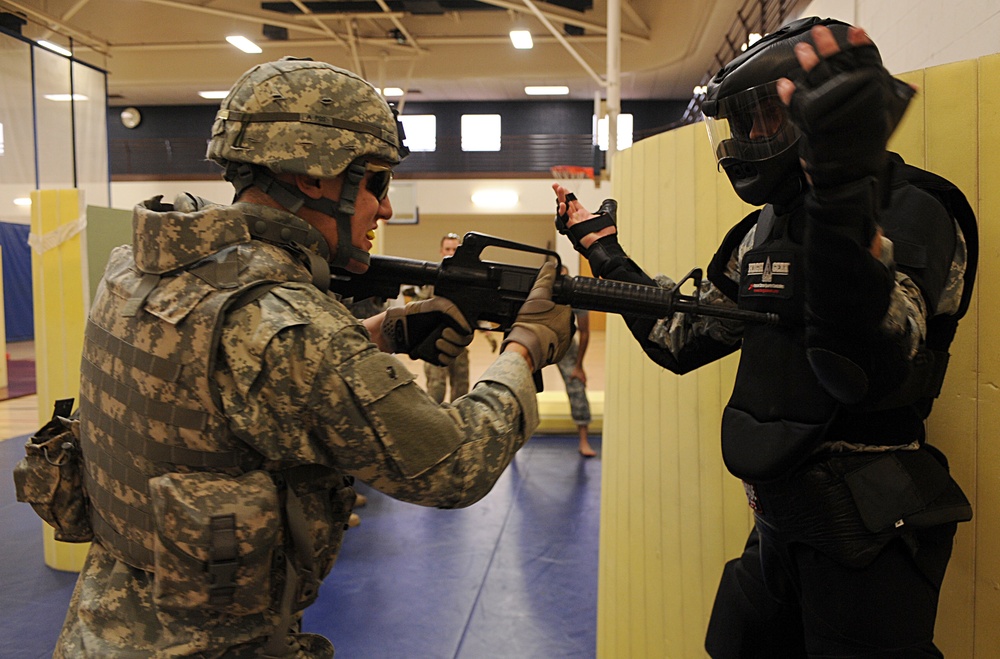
163,52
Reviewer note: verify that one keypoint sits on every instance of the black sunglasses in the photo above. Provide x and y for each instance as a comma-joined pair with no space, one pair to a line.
378,180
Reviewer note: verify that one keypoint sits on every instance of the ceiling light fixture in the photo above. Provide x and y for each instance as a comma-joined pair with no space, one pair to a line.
54,48
521,39
22,201
214,95
244,44
546,90
65,98
392,91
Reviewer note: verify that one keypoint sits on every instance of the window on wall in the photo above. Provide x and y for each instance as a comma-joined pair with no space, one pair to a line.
1,139
480,132
624,132
421,131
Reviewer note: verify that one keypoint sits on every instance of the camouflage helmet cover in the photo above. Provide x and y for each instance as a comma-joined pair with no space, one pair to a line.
299,116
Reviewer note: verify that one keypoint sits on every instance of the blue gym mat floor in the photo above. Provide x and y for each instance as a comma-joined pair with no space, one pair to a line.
513,576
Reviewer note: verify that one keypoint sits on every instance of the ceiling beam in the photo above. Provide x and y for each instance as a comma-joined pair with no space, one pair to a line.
260,20
562,18
61,27
561,39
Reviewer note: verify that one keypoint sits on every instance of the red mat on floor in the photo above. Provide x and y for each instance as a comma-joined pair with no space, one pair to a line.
20,379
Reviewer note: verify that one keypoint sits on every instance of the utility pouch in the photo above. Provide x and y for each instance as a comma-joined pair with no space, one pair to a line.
907,490
50,476
215,538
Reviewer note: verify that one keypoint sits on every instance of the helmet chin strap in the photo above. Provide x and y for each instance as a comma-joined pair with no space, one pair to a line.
292,199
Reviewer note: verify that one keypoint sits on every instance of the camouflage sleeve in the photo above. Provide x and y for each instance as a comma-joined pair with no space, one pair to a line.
682,330
303,384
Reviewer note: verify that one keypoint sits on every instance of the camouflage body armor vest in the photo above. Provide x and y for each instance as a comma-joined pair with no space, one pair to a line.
149,406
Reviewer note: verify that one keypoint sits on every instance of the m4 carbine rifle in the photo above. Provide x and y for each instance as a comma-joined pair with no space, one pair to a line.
494,292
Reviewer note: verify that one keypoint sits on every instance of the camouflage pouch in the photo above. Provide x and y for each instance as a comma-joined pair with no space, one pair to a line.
50,476
215,538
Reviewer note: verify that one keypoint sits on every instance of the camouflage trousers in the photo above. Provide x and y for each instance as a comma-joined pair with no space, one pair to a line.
438,377
579,406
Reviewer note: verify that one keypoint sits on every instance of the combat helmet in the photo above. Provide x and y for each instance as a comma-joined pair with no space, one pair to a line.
752,137
299,116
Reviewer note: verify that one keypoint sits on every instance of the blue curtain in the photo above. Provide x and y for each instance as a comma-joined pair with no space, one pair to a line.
19,310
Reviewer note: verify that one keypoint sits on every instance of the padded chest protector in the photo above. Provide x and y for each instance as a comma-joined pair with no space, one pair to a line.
778,413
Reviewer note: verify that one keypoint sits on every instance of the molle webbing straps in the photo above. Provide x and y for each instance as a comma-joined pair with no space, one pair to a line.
134,553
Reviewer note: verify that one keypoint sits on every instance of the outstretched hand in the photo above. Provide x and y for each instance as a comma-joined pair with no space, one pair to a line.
572,212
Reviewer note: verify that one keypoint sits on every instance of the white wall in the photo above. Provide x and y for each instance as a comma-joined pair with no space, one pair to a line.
917,34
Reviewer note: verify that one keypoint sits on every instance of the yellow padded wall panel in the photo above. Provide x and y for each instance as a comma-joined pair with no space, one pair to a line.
986,500
908,140
58,290
951,139
657,225
662,430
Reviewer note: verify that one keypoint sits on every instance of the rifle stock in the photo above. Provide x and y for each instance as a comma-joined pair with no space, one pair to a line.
493,292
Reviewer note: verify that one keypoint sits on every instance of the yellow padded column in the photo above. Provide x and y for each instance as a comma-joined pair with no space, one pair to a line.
59,293
670,513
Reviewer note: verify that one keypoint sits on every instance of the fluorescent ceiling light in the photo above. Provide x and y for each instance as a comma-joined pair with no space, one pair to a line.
244,44
494,199
214,95
392,91
550,90
64,98
22,201
521,39
54,48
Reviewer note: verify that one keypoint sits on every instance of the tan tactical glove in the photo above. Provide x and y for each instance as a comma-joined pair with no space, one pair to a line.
542,326
433,330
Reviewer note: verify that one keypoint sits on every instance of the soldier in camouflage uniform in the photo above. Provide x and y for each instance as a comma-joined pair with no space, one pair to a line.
228,401
868,263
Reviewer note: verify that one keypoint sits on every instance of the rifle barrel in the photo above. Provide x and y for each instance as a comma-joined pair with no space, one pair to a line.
642,300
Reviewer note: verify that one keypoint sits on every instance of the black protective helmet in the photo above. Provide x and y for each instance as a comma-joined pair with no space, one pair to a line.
748,125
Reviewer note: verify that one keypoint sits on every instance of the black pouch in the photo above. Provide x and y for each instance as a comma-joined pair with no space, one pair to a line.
908,490
50,476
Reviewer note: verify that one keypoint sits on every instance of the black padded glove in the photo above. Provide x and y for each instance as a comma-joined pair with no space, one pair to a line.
606,253
847,107
542,326
433,330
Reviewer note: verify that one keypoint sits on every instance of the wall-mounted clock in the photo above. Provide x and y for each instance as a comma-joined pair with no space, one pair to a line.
131,117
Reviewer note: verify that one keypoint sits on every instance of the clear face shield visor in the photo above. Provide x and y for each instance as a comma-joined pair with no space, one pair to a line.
751,126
